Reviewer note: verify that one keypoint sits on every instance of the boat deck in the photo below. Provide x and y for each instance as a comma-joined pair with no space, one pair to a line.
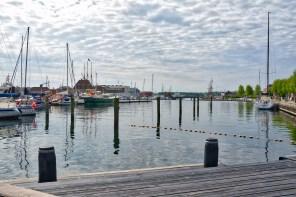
273,179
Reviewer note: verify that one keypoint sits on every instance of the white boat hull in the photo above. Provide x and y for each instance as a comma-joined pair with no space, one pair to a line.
265,105
9,113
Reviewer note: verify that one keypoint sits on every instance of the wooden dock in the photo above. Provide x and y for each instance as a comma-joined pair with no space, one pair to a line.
277,178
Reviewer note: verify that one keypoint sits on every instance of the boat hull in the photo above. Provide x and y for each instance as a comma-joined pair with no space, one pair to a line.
9,113
27,110
92,101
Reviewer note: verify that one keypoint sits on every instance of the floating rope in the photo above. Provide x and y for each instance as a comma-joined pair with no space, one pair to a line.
202,131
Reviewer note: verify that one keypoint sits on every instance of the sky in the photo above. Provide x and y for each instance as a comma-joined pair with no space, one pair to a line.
183,43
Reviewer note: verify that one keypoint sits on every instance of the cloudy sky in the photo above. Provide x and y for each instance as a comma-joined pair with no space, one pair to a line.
184,43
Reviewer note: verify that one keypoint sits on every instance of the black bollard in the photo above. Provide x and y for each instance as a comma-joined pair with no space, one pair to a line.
211,153
47,165
180,111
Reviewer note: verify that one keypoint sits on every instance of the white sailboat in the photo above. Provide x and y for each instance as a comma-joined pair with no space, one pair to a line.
265,103
8,109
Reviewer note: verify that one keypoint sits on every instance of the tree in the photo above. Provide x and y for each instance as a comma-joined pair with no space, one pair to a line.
241,91
249,90
257,91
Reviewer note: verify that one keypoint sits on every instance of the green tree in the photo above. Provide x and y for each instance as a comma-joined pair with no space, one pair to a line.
241,91
257,91
249,90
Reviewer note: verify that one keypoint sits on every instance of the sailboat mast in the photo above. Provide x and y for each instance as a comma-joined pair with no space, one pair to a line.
267,70
67,46
26,67
22,62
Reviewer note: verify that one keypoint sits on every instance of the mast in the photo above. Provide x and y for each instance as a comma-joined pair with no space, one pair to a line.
84,71
26,67
87,70
67,47
152,82
267,69
91,78
22,62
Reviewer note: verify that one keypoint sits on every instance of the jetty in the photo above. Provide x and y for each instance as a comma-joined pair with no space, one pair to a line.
276,178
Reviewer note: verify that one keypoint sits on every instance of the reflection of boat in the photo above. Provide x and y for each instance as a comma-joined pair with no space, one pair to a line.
266,104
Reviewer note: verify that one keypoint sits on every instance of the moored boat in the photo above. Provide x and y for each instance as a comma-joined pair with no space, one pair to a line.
98,100
8,110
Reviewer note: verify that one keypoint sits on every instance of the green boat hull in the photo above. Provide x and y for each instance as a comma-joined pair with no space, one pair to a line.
98,101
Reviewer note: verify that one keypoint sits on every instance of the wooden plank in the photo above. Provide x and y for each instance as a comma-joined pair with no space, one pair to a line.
271,178
14,191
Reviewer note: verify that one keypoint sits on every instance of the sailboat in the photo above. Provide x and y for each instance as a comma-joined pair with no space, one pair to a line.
265,103
63,98
26,103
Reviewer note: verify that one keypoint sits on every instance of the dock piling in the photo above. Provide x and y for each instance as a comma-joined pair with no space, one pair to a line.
46,113
193,108
158,111
72,108
47,165
116,113
211,153
180,111
197,107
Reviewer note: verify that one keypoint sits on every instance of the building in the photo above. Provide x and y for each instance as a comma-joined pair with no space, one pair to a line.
119,90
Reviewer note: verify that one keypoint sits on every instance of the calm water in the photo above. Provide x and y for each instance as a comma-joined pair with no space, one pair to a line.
91,145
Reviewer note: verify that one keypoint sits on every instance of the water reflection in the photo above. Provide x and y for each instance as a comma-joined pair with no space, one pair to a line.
69,141
21,130
249,110
283,120
240,109
263,117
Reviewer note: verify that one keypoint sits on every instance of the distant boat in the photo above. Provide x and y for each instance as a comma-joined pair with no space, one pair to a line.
266,103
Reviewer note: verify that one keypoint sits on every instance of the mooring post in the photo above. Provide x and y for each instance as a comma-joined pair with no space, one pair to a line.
211,153
197,107
180,111
72,108
116,113
47,165
46,113
158,111
211,104
193,108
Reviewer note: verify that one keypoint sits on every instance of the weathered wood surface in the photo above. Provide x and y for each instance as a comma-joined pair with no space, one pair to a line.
273,179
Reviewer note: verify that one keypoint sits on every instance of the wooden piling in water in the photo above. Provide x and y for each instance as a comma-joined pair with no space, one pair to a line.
193,108
180,111
211,104
116,113
72,108
158,111
46,113
197,107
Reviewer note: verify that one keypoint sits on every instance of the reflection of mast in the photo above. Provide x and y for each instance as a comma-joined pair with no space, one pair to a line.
266,135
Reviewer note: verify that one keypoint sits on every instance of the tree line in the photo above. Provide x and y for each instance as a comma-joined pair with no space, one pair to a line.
280,88
285,88
248,91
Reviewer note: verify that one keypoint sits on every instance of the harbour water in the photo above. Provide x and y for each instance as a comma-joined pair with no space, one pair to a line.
90,144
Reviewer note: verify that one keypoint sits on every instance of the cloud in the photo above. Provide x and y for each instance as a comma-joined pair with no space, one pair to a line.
184,43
